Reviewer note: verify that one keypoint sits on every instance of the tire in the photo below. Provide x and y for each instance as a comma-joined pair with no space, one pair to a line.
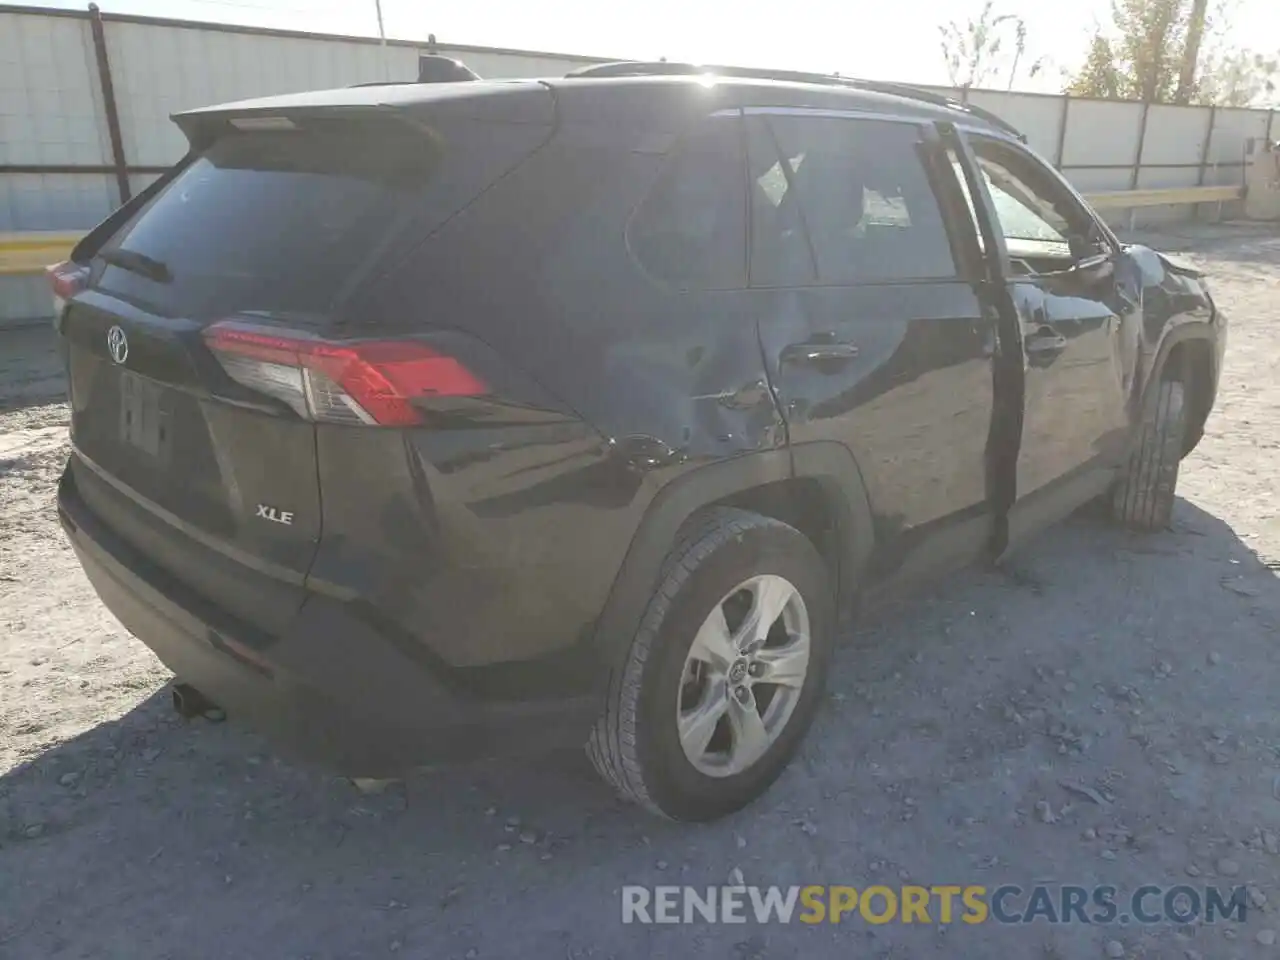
1143,497
636,744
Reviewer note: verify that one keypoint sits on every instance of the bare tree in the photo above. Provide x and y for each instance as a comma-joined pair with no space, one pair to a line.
971,51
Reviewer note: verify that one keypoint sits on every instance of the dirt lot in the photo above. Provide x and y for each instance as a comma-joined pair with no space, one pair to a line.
1142,668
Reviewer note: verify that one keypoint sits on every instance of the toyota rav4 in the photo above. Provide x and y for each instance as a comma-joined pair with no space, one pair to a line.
430,421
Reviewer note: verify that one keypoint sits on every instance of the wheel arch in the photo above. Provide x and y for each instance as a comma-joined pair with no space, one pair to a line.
1186,354
776,483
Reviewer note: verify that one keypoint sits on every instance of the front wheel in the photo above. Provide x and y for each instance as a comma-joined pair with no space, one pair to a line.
1143,497
725,674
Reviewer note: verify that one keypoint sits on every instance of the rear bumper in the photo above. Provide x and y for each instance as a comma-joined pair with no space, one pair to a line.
331,689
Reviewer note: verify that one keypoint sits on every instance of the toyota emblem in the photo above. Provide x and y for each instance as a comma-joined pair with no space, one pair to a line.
117,344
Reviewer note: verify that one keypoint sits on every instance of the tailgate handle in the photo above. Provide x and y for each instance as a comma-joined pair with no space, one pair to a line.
818,351
1046,340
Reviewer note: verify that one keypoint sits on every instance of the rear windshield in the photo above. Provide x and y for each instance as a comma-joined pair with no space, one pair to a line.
281,220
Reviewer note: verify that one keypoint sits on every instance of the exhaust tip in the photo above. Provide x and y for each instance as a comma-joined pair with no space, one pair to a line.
190,702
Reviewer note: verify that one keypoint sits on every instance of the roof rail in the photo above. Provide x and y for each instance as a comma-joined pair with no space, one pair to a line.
659,68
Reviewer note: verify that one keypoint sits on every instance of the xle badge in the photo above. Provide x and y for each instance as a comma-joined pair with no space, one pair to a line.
275,515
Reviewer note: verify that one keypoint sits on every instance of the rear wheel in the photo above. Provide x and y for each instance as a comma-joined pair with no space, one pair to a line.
1143,497
725,673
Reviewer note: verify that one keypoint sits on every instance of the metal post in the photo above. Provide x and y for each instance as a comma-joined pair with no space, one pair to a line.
382,41
1204,158
1062,131
1271,115
109,103
1204,150
1137,160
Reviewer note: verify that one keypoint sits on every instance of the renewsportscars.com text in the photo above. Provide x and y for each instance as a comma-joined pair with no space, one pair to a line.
946,903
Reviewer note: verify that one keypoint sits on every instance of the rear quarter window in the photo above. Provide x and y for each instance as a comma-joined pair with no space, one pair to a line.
690,231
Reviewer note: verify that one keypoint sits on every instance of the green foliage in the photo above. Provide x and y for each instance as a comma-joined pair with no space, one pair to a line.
1141,57
1100,76
1153,51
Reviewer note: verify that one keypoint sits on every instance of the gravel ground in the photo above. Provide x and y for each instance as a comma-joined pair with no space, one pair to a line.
1142,668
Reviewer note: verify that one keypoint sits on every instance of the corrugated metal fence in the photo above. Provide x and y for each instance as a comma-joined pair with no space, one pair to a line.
61,168
64,164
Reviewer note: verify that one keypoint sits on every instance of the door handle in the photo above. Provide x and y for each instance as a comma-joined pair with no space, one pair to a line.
1045,341
818,352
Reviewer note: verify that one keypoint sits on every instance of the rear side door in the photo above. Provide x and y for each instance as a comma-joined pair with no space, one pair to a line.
874,333
1078,304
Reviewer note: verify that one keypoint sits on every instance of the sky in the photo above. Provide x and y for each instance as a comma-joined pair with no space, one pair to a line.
879,39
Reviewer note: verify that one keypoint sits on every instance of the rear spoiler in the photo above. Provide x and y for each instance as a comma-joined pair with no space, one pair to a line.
432,68
514,101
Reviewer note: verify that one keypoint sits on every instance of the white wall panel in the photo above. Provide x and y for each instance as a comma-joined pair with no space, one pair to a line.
24,298
1099,180
1039,118
1101,132
1175,134
1231,127
1160,178
1221,175
140,181
50,108
149,77
55,201
163,70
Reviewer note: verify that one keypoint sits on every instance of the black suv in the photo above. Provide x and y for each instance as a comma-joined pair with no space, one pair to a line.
432,421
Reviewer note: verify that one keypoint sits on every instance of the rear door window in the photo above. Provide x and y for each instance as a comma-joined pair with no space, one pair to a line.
690,231
857,201
282,220
781,252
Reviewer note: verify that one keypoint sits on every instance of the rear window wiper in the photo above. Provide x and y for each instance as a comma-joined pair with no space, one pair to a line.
138,263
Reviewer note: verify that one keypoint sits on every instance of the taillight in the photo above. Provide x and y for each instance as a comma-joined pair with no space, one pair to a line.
349,381
66,279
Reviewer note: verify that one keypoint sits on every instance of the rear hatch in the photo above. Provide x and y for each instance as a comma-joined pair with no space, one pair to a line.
208,337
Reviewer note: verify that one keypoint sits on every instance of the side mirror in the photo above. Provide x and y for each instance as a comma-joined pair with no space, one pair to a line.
1090,254
1083,245
1094,268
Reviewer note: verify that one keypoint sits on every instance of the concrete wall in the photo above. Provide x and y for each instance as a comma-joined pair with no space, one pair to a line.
52,115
